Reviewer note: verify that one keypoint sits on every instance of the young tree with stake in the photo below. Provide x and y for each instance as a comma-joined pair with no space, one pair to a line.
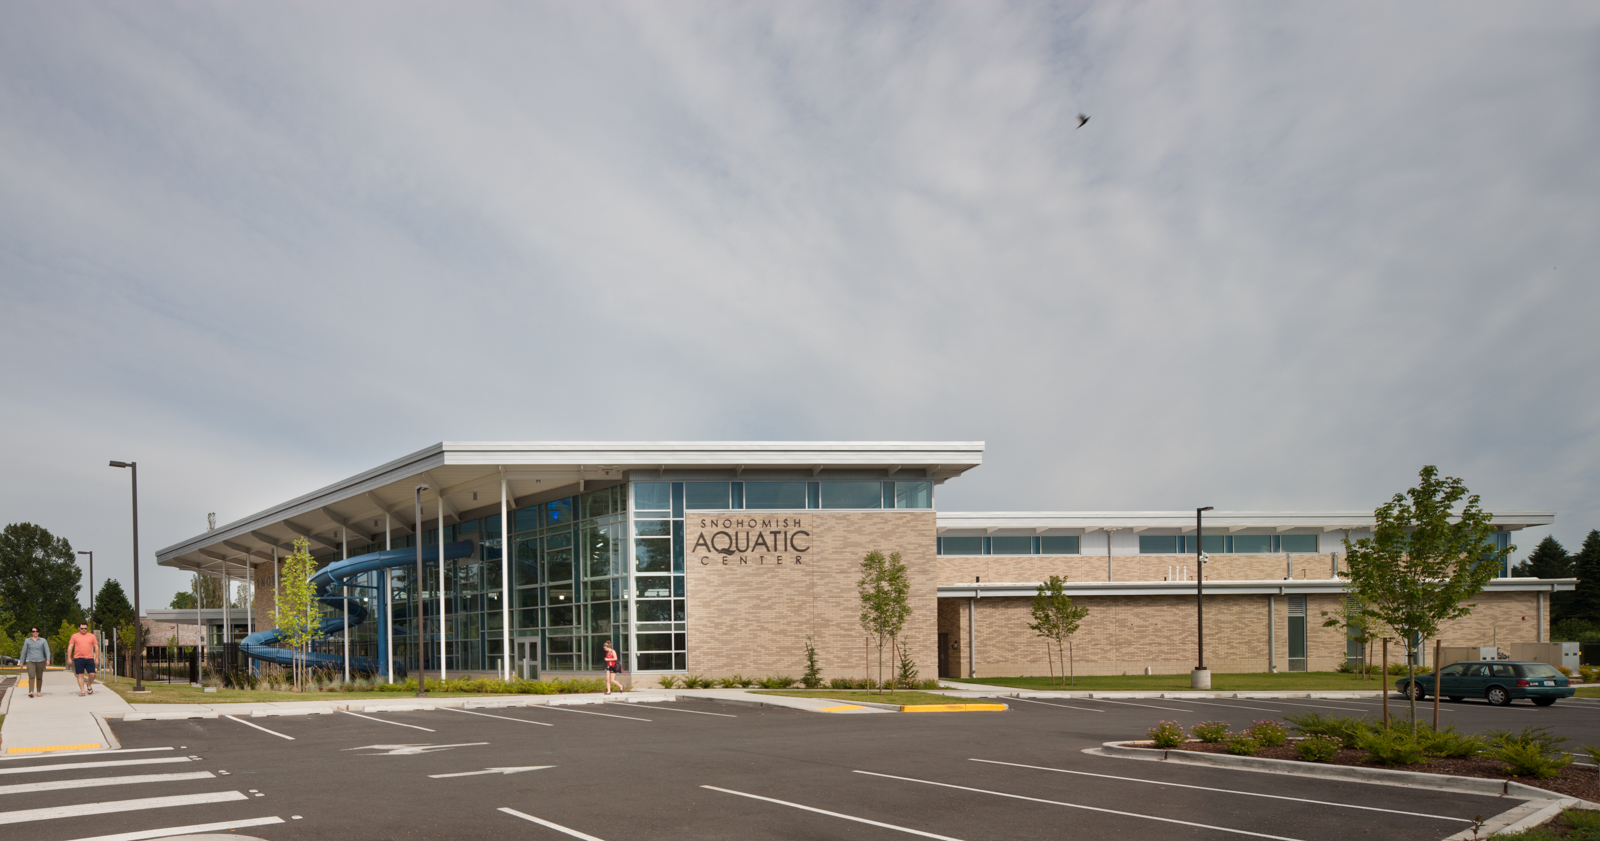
885,589
1055,617
297,601
1428,554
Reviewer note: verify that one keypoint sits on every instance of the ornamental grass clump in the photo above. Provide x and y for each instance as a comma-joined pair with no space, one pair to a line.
1166,734
1268,733
1209,732
1240,744
1393,747
1534,752
1318,748
1347,729
1450,744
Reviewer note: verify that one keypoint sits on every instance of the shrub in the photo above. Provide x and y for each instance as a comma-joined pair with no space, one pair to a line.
1449,743
1564,670
1346,666
1240,744
1166,734
1209,732
668,681
1534,752
1347,729
1392,747
777,682
1399,670
1318,748
697,682
1268,733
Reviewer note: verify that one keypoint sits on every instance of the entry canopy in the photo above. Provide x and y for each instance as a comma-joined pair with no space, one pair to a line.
464,480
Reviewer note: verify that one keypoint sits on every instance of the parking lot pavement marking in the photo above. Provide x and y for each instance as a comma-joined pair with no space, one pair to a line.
505,717
555,826
94,782
1228,791
174,831
590,712
79,753
51,748
109,763
675,710
1063,706
501,771
1081,806
259,727
1230,706
905,829
1131,704
395,723
412,750
79,810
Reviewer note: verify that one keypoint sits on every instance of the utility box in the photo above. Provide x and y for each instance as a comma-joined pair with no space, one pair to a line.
1553,653
1460,653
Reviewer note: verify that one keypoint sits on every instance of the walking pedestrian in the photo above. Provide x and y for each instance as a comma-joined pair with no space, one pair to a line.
612,669
83,649
35,656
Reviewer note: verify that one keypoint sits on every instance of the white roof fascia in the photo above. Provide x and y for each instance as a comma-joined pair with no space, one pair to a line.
955,456
1101,520
1218,588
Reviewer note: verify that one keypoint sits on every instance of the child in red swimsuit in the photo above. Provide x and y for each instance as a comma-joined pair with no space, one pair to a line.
612,669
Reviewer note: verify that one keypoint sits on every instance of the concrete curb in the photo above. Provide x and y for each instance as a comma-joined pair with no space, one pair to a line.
460,702
1376,776
1178,696
1516,819
105,730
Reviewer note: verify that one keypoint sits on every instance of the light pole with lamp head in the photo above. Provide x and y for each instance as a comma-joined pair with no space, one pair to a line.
416,595
90,553
138,629
1200,678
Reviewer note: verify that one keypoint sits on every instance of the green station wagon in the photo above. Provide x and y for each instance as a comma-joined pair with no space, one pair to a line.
1498,681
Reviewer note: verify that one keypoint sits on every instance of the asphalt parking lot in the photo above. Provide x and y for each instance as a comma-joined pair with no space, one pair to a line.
705,770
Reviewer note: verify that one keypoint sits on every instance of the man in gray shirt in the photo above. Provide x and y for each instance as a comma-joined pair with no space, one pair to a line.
35,656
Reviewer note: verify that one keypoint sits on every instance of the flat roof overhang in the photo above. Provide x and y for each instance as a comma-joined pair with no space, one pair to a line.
1294,587
536,470
1216,522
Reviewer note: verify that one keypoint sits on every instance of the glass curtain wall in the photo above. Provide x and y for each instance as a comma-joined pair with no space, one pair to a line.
569,579
660,623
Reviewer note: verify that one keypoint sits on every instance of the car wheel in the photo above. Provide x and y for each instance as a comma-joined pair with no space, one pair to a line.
1498,696
1544,702
1455,699
1415,691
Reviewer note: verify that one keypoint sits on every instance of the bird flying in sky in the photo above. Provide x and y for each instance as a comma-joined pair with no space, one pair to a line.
1082,118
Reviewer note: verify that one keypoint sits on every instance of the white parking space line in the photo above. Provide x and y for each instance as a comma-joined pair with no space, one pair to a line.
110,763
79,810
94,782
1063,706
1231,706
77,753
1318,706
673,710
834,814
1228,791
501,717
1131,704
1081,806
259,727
555,826
395,723
591,712
173,831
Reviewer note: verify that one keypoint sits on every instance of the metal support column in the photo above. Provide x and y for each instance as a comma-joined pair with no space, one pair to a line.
505,582
388,601
344,555
442,614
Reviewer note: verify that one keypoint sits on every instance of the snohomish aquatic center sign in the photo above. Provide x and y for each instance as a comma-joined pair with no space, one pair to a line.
751,541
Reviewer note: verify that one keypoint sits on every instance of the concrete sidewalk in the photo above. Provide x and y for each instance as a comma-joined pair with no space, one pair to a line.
58,720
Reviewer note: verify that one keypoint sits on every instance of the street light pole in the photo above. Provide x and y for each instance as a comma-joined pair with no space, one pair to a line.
1201,677
90,553
416,595
138,627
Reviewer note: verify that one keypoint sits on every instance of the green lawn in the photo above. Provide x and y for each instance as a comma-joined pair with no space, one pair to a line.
846,696
1589,692
1249,682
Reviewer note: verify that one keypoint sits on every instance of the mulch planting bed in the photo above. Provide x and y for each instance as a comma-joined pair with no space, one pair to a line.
1571,781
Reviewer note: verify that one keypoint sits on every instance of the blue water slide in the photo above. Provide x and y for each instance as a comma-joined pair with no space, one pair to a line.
262,645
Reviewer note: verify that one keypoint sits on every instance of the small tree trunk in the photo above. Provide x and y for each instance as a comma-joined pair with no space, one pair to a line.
1411,688
1072,664
1049,658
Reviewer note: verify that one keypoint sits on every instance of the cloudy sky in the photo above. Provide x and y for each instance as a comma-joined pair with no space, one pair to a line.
1299,250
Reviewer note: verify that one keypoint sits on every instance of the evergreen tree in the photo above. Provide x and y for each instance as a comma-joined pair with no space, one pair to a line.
1586,599
39,578
111,606
1550,560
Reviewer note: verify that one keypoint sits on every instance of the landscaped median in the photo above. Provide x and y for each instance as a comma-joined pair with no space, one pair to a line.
895,701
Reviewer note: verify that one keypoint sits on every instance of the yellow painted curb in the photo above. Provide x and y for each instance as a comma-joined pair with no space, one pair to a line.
844,708
48,748
952,708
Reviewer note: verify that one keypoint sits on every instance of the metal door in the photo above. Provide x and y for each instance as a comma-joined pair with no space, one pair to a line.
944,655
527,662
1297,633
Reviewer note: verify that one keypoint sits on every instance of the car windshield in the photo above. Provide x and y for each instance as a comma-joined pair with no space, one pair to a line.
1539,670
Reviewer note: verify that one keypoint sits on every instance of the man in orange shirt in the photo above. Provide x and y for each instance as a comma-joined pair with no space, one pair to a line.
83,652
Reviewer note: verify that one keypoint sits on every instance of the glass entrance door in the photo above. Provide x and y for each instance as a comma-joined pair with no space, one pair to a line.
1297,633
527,660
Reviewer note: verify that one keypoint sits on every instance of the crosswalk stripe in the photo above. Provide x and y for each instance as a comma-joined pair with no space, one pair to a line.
75,754
172,831
34,769
111,806
95,782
